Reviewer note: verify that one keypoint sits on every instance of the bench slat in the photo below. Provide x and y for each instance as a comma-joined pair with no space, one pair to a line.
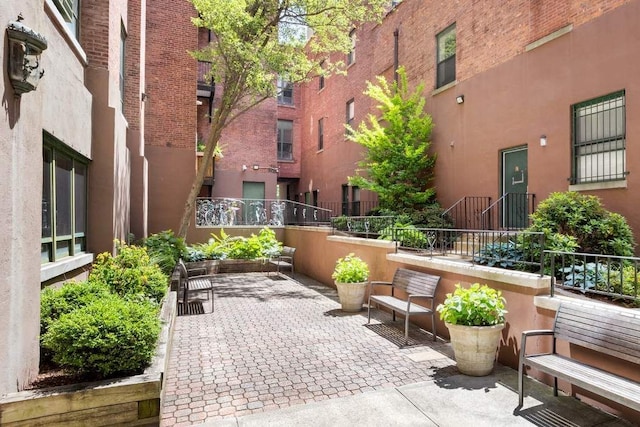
413,283
616,333
400,305
608,385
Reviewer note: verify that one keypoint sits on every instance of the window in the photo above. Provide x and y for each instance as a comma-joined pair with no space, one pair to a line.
285,140
350,114
599,139
345,199
69,9
123,38
446,56
64,202
285,92
351,56
321,77
355,200
321,134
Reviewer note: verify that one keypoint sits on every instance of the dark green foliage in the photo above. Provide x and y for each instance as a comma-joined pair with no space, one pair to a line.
130,274
501,254
109,337
397,164
165,249
580,221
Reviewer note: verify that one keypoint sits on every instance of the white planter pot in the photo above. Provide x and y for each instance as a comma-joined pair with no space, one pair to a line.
351,295
475,347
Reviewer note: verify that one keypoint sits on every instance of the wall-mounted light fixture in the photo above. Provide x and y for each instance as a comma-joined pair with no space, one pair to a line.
460,99
543,140
271,169
25,47
244,168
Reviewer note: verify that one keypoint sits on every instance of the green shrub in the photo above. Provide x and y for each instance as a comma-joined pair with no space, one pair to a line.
350,269
474,306
130,274
54,302
165,249
108,337
590,227
264,245
407,234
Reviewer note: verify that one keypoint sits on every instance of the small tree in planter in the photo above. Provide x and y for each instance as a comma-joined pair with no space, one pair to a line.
475,319
351,275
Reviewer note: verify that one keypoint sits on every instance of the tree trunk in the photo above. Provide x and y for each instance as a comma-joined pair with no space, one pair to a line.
189,207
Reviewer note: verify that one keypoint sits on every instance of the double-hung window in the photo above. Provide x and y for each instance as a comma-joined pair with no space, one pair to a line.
70,11
351,56
446,56
599,139
285,140
320,134
64,202
285,92
350,114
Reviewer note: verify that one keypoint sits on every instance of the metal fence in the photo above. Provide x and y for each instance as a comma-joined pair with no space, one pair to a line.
516,250
613,276
229,212
363,226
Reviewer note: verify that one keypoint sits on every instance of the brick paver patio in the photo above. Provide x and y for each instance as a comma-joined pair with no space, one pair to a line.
274,343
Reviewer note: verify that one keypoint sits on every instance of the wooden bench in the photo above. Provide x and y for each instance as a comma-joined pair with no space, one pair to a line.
284,260
612,331
415,285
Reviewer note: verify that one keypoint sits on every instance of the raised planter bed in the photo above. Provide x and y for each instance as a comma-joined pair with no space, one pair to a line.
134,400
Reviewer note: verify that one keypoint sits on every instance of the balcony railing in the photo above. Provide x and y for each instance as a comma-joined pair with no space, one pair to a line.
219,212
612,276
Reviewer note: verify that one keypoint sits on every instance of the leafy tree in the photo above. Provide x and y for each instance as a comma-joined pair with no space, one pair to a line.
255,41
397,165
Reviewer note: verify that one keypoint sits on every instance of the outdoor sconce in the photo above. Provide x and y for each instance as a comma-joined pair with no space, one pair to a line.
460,99
255,167
25,47
543,140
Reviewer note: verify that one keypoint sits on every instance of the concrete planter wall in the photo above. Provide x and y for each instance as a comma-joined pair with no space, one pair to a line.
133,401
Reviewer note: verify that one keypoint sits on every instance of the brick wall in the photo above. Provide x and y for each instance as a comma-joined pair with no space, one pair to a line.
171,75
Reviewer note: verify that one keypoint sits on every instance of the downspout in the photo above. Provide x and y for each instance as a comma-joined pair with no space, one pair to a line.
396,64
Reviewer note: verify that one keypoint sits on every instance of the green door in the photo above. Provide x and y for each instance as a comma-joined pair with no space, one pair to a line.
514,188
254,209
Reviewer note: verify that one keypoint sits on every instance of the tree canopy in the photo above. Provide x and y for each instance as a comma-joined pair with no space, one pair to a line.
396,165
256,41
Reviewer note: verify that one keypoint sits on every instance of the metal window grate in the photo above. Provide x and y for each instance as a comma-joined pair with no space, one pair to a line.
599,139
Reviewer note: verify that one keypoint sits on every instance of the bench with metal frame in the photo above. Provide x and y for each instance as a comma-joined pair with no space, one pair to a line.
416,286
195,283
612,331
284,260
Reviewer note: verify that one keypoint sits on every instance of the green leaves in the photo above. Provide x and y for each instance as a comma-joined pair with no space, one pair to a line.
397,165
478,305
350,269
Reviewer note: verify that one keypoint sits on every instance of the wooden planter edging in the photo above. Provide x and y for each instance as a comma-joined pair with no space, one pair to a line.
131,400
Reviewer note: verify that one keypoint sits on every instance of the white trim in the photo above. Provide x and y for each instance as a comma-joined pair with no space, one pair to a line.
61,25
58,268
607,185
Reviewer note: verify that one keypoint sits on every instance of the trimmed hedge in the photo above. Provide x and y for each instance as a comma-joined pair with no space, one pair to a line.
108,337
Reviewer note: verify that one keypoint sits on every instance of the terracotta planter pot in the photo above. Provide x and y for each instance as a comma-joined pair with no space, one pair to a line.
475,347
352,295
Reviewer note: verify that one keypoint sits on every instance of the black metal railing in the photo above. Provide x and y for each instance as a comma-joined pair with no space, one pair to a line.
467,212
352,208
370,227
226,212
613,276
509,212
516,250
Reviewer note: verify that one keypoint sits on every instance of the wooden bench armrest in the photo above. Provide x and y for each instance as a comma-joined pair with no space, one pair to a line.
196,269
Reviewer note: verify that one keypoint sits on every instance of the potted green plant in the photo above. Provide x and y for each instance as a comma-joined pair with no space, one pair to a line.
351,275
475,319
